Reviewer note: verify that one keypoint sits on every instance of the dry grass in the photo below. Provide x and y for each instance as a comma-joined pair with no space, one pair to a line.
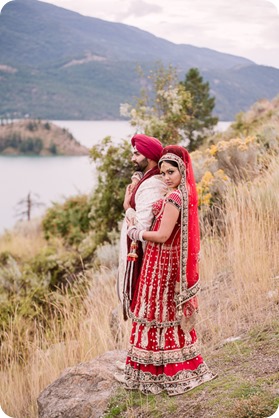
239,273
80,331
24,241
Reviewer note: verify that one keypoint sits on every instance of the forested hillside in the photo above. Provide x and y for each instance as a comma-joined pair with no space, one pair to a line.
57,64
36,137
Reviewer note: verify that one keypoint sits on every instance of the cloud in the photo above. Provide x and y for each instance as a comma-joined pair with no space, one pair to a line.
275,3
2,3
140,8
248,28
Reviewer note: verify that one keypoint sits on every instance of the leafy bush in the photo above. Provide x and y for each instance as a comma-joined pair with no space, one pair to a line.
57,269
69,220
225,162
25,285
237,157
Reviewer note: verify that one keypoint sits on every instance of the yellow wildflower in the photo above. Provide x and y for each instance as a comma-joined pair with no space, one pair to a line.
221,175
213,150
207,178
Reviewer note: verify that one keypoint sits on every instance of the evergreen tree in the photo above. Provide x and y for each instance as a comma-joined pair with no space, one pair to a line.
200,112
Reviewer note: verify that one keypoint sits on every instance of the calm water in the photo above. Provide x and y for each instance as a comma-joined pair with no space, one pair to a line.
51,179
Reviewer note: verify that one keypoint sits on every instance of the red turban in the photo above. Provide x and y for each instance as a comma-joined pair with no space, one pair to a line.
148,146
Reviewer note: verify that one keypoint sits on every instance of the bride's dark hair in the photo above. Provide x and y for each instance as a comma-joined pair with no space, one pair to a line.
173,163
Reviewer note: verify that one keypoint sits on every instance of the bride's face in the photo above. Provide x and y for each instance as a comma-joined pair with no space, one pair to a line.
171,175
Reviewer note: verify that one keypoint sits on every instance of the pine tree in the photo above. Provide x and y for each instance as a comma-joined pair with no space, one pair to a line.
200,112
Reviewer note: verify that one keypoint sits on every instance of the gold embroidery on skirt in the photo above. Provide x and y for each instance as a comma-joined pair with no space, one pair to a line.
165,303
176,336
137,334
158,334
157,311
177,384
144,337
163,338
188,338
163,356
143,304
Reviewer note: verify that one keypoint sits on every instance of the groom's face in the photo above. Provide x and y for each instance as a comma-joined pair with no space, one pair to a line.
140,161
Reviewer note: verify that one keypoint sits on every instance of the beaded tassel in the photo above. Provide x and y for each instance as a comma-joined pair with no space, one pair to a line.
132,255
128,279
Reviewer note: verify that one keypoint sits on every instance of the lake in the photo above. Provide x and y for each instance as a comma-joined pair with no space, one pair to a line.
52,179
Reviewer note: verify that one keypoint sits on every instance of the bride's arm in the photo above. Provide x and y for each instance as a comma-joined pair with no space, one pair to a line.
169,219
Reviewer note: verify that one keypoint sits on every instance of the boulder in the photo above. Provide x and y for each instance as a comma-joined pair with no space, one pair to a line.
82,391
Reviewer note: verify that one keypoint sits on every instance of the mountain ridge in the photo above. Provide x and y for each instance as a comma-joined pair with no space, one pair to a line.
86,66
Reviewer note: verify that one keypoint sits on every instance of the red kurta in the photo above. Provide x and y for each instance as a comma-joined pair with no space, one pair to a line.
161,356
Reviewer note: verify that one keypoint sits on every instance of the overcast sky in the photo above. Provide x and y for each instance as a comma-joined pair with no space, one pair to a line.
248,28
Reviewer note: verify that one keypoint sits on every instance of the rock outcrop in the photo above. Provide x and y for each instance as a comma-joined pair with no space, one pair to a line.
82,391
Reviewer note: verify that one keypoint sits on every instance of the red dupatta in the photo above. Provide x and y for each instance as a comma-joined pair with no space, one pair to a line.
190,233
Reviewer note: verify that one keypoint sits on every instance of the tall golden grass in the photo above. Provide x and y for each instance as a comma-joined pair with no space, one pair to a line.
240,270
81,329
25,240
239,273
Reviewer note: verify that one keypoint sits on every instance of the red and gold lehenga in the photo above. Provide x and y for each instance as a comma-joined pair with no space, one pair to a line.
161,356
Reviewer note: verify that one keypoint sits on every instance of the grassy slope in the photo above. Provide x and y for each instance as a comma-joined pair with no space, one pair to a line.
248,371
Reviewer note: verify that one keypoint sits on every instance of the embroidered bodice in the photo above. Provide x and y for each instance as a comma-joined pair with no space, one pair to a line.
174,198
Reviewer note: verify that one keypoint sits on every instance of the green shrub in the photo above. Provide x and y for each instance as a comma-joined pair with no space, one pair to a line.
68,220
57,269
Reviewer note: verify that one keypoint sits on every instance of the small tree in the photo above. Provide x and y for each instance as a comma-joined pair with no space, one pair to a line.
161,109
25,206
200,112
68,220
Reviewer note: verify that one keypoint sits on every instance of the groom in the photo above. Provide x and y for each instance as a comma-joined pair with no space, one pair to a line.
138,207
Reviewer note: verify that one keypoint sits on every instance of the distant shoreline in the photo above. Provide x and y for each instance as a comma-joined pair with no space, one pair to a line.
34,137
